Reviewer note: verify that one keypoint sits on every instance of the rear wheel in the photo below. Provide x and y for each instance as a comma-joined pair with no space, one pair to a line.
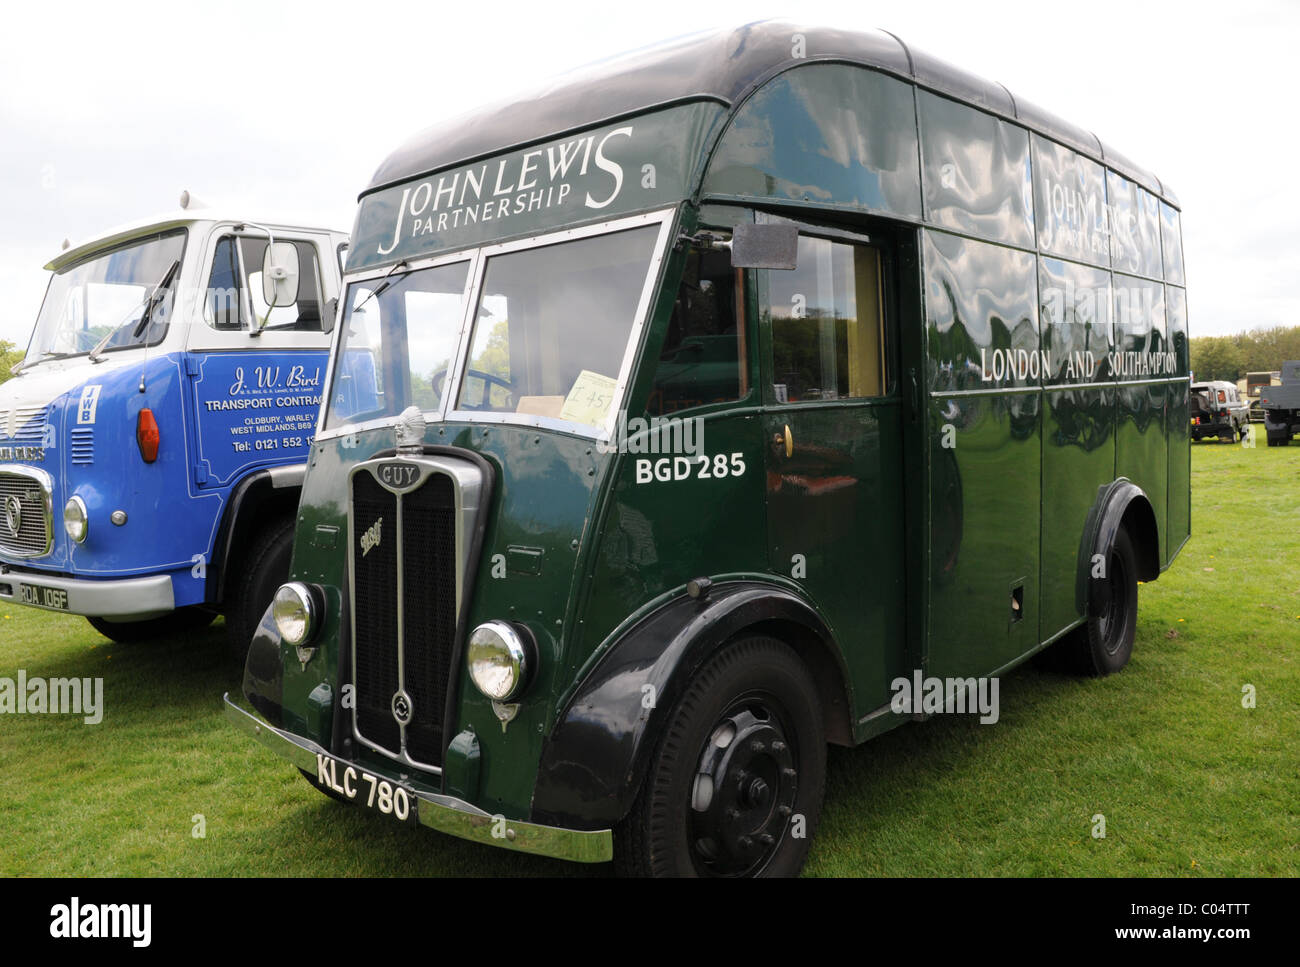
1104,643
262,571
734,787
179,622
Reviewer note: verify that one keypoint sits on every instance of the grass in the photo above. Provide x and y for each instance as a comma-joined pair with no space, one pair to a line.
1189,781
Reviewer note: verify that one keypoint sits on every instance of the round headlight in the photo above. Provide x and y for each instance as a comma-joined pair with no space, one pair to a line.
498,660
294,610
76,523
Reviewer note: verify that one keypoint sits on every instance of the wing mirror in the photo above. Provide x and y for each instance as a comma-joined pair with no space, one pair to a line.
280,274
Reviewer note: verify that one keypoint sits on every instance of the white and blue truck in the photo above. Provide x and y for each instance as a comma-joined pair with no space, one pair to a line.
154,438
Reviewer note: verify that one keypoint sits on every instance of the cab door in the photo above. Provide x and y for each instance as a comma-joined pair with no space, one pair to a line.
256,371
833,422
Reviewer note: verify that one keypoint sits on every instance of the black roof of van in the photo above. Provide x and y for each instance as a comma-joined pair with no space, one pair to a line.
722,66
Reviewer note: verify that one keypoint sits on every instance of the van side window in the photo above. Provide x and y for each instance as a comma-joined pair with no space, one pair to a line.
827,328
704,359
230,295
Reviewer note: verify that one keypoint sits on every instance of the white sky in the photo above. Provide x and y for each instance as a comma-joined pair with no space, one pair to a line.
108,110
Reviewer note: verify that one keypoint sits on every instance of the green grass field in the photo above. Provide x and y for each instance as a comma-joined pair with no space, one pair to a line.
1189,782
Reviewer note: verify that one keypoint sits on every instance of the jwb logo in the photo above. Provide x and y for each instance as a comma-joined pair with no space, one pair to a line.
399,476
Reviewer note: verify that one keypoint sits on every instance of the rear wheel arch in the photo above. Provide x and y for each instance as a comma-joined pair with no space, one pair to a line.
1122,503
1139,520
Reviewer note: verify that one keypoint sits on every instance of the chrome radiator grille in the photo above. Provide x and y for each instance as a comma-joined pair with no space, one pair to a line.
409,520
26,511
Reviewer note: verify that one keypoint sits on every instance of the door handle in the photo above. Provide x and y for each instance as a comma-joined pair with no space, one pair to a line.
784,440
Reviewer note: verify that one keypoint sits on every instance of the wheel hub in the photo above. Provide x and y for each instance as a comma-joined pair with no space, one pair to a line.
744,792
1110,623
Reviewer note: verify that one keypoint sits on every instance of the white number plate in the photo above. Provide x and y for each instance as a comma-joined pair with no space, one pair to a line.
357,785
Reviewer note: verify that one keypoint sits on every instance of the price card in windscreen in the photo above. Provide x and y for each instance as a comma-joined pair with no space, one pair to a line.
590,399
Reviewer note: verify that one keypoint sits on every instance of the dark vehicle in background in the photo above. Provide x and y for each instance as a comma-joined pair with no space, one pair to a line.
1281,405
1217,410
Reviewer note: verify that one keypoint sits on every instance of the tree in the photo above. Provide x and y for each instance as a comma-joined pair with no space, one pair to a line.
1257,351
1217,357
10,355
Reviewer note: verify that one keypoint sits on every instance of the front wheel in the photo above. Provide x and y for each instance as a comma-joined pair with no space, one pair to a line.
263,569
734,787
179,622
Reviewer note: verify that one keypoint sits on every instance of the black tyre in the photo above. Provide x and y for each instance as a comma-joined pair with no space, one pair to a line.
1104,643
179,622
263,569
734,786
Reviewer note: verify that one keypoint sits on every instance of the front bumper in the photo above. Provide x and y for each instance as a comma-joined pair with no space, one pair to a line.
128,598
446,814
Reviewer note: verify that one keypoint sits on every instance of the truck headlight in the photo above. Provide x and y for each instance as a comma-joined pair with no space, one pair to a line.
499,660
76,522
296,612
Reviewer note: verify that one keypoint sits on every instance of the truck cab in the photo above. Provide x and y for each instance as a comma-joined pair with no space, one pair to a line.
1218,410
1281,405
152,441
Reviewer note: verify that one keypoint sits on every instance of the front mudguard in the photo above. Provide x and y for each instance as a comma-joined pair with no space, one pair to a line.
264,672
595,758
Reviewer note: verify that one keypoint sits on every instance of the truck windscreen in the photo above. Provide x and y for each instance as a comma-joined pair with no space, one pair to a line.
89,299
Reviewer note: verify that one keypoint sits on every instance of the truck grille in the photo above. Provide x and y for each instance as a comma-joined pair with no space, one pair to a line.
406,555
26,515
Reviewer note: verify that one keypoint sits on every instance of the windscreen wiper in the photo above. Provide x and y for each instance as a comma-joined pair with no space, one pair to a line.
155,297
384,283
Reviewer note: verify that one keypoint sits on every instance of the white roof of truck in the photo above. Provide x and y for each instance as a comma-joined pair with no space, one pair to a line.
179,217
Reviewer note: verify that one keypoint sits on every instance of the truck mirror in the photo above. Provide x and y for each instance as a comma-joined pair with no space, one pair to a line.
280,274
331,310
769,246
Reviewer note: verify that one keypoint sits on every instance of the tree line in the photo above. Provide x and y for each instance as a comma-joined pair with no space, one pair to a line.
1232,357
9,357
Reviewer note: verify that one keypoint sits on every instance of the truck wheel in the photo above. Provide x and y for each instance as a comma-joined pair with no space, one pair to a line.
179,622
1104,643
261,571
734,787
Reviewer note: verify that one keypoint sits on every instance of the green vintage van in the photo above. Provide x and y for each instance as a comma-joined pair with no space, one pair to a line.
682,415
